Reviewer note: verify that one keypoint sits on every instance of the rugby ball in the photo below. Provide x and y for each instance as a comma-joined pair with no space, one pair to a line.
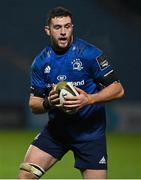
64,88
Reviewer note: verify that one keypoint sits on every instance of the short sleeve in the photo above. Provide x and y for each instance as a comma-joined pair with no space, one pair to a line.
99,68
99,64
37,75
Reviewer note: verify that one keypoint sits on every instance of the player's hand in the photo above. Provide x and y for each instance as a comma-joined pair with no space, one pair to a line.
54,98
77,101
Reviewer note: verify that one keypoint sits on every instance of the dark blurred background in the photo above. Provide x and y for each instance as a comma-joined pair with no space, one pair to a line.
112,25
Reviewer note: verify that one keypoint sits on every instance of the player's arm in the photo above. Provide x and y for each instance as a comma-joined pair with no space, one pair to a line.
107,80
111,92
36,104
41,103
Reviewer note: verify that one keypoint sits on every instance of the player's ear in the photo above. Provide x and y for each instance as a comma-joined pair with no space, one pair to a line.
47,30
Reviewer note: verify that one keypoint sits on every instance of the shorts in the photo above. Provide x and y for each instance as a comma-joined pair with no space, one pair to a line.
88,155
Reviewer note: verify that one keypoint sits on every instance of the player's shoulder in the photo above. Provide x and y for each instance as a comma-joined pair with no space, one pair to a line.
86,49
41,58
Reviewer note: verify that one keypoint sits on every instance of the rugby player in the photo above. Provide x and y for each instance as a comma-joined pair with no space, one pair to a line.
70,59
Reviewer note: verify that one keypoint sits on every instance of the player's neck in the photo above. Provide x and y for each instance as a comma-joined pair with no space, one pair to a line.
59,51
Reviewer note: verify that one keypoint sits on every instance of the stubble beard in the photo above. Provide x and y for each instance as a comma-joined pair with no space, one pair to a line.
57,47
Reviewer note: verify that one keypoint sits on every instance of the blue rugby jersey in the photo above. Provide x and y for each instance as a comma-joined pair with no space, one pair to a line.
82,66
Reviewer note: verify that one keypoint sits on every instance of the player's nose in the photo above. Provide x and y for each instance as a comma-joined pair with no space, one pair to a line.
63,31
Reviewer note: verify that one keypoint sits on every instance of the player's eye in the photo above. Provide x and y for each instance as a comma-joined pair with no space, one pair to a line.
67,26
57,27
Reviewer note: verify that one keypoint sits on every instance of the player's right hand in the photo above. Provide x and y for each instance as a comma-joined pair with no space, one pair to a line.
54,98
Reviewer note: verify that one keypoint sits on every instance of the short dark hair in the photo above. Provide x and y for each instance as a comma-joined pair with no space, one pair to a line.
57,12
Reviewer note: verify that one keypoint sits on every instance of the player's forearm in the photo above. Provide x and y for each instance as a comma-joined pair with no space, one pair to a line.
112,92
36,105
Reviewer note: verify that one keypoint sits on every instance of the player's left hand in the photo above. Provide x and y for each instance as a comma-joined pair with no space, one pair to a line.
77,101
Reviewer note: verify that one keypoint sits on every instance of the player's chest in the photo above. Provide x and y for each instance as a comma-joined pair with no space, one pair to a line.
70,69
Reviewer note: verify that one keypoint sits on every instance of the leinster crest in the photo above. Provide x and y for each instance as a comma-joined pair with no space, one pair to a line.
77,64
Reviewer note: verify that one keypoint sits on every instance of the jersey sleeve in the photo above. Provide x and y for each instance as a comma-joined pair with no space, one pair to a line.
101,70
38,86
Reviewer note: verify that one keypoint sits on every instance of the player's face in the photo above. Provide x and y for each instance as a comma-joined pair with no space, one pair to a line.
60,32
